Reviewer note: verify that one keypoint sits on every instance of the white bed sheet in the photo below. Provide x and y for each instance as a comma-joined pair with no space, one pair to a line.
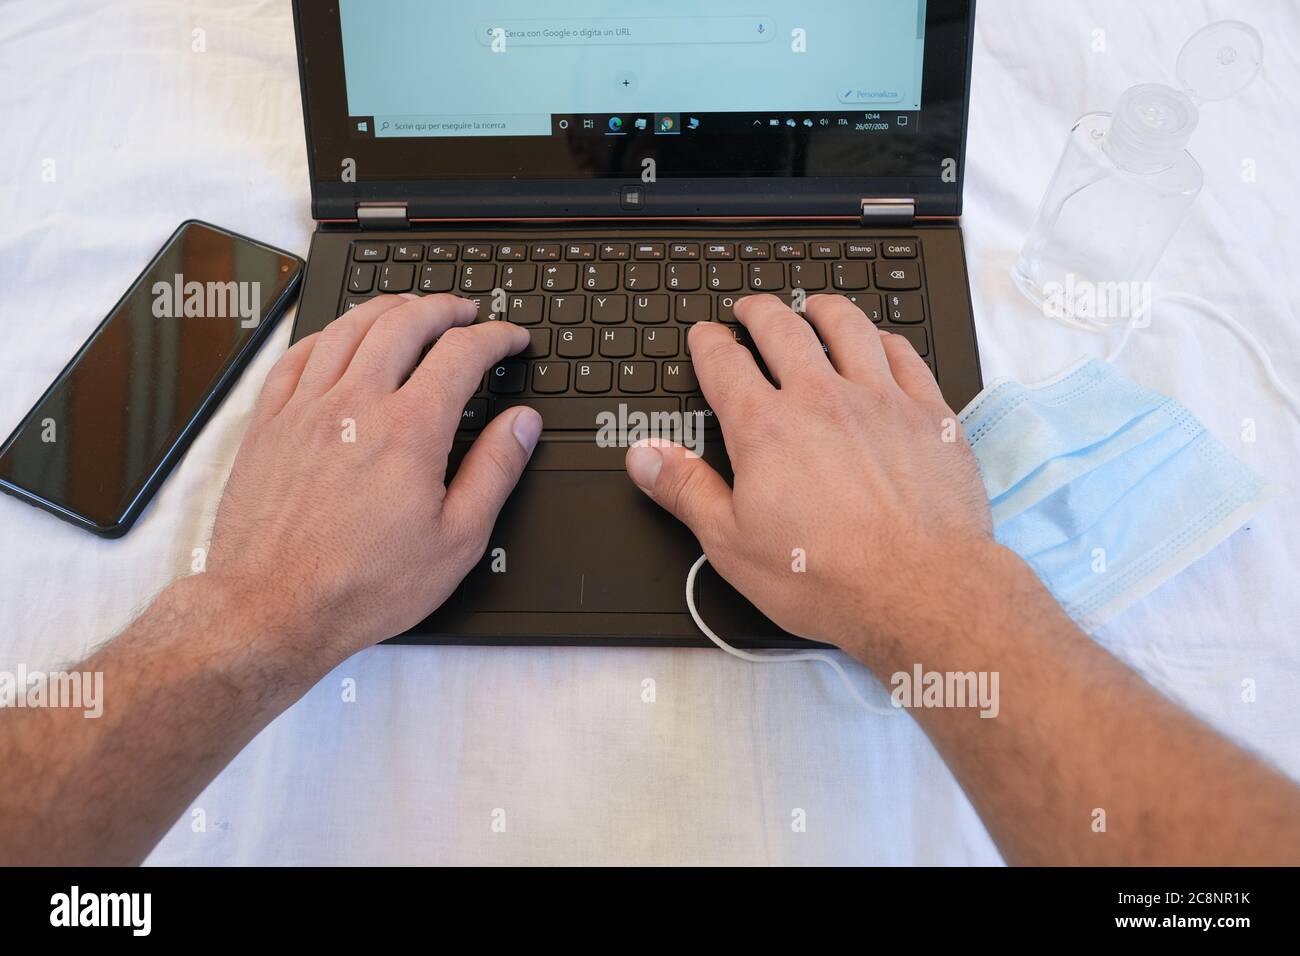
145,132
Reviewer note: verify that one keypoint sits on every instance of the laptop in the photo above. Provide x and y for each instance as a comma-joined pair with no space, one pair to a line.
606,175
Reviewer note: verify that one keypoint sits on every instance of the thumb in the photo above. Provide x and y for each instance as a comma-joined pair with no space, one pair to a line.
490,470
684,485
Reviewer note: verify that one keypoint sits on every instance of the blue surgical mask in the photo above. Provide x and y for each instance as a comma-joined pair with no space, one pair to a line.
1105,488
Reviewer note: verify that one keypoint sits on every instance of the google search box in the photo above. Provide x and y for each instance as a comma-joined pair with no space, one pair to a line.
473,124
627,31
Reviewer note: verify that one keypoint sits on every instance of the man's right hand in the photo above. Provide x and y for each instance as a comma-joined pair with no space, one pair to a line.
854,463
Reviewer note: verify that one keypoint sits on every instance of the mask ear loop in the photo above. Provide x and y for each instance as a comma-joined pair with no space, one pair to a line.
776,658
1214,312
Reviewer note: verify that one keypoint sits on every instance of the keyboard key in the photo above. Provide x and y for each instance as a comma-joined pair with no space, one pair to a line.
769,277
636,377
600,278
525,309
682,277
755,250
650,309
608,309
679,377
474,417
351,303
560,278
695,405
441,252
550,378
898,275
567,309
641,277
437,278
899,249
512,252
851,275
483,308
615,251
396,278
577,413
580,251
920,341
539,344
808,275
477,278
720,250
369,252
574,343
726,277
825,250
869,303
408,252
859,250
545,251
618,343
649,250
519,278
478,252
790,250
507,378
361,278
593,377
727,309
906,309
659,343
690,309
684,250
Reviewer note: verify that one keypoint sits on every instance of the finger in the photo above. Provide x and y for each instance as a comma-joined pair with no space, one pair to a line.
283,379
389,351
338,343
726,371
450,374
685,486
489,472
909,369
854,343
787,343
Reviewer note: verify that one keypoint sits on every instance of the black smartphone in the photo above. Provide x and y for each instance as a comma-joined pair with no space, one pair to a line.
105,435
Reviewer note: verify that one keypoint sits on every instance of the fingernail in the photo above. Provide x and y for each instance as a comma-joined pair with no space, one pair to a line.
644,463
527,428
408,295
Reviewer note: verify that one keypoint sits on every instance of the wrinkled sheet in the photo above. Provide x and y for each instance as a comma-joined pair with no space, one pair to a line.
144,132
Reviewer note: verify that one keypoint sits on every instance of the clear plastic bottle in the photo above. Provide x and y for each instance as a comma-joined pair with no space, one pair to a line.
1126,181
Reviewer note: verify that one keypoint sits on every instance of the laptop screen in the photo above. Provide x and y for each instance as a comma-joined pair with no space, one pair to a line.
429,92
585,71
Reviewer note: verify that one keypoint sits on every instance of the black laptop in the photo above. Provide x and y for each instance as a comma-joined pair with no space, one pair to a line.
605,175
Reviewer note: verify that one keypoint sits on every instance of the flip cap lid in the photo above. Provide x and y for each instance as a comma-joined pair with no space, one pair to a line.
1220,60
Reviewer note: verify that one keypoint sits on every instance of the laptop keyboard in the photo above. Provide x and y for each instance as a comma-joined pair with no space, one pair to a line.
608,319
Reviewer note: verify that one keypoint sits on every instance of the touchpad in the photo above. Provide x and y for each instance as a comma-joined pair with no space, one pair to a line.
582,541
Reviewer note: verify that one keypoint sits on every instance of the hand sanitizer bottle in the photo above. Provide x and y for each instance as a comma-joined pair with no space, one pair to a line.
1126,180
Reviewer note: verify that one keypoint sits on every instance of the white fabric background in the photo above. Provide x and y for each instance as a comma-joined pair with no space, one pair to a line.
145,133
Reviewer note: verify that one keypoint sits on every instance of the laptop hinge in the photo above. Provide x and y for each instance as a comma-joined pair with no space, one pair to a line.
382,215
888,212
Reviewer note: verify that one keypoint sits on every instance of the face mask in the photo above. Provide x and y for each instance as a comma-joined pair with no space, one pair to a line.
1105,488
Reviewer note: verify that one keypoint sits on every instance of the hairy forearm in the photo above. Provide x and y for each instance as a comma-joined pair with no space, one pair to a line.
1084,762
190,683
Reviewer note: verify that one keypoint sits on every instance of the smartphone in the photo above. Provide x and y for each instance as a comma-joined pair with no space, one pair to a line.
105,435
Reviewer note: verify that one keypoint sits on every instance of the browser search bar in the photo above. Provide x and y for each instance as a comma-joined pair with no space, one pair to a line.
626,31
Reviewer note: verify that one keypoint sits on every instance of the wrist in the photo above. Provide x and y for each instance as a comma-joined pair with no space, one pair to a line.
259,646
968,592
